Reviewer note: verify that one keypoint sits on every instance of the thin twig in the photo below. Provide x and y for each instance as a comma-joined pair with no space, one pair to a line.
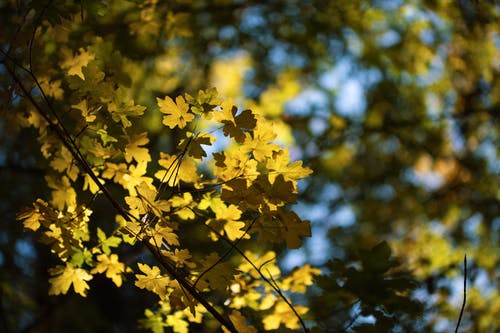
465,294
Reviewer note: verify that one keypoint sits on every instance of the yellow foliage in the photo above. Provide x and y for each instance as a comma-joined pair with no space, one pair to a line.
176,113
63,277
282,314
152,280
113,268
228,74
73,64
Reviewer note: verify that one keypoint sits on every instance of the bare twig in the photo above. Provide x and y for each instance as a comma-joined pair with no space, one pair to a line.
465,295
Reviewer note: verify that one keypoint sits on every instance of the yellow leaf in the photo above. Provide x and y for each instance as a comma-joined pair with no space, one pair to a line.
182,205
300,278
234,125
259,143
74,63
152,280
280,164
226,218
294,228
176,113
134,151
240,323
64,277
283,314
63,194
177,169
134,177
87,113
178,322
266,262
218,277
122,106
111,266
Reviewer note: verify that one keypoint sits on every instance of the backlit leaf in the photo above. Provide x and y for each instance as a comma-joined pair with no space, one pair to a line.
176,113
65,277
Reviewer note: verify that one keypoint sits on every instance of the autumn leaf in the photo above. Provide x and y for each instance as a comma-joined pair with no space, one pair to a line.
74,63
107,242
294,229
133,149
226,219
265,262
113,268
204,102
63,193
300,278
219,276
280,164
282,314
192,143
122,107
152,280
87,112
176,113
234,127
63,277
176,169
240,323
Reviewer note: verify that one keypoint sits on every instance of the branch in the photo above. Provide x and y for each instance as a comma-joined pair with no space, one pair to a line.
465,295
190,288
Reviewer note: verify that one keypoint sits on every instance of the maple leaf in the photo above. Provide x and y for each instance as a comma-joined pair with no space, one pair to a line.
234,125
144,200
63,194
74,63
280,164
226,218
63,277
300,278
234,164
63,161
177,169
152,280
115,172
293,228
182,205
36,216
240,323
90,184
194,142
113,268
219,277
121,107
104,135
105,242
153,321
180,257
282,314
87,113
178,322
162,232
265,262
205,102
134,177
134,151
176,113
236,192
259,142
